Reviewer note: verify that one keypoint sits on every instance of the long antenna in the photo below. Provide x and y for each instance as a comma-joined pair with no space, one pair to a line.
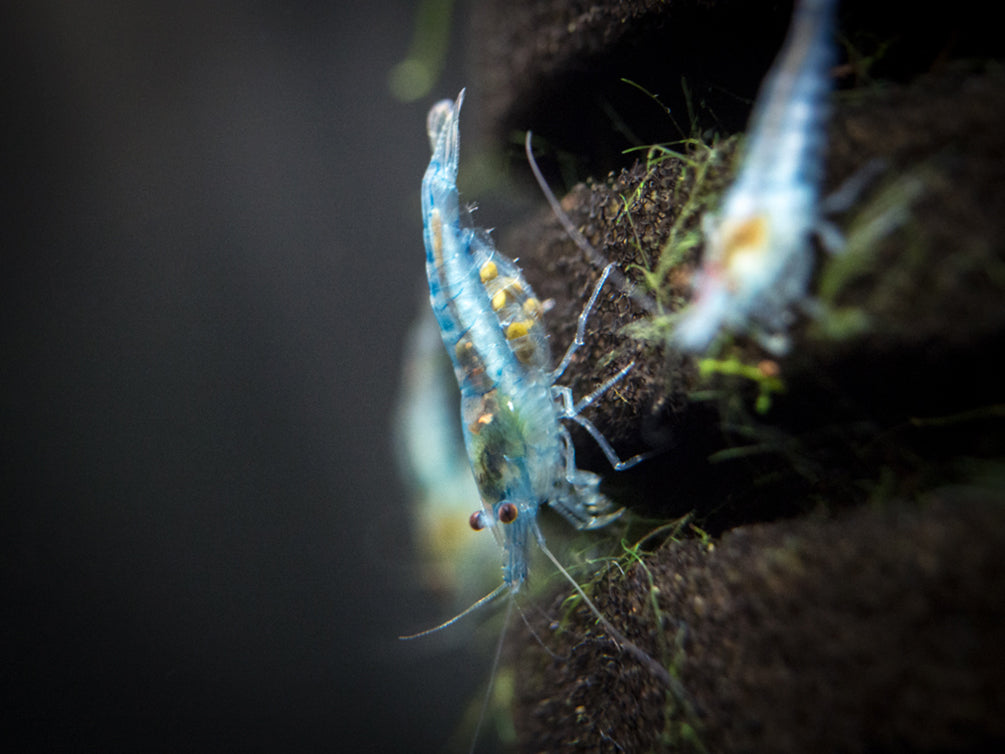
623,643
492,676
483,601
616,275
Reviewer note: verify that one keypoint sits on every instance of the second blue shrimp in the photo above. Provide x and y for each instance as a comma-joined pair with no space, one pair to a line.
758,257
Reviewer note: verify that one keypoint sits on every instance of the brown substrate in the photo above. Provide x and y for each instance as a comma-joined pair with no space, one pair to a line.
850,596
877,630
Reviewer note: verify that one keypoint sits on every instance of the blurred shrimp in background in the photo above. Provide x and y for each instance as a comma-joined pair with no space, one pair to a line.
210,263
430,451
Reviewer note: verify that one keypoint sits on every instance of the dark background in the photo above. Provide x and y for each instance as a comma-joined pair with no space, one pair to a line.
211,255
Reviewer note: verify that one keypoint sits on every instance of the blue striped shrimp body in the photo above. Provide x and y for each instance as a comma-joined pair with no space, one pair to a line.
758,254
511,410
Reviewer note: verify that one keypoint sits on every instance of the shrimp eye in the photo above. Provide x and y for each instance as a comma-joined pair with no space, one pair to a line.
507,513
477,520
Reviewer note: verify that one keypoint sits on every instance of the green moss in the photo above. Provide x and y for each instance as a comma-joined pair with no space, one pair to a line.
699,175
882,219
766,379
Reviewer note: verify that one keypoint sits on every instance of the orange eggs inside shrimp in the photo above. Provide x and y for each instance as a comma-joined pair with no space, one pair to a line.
741,247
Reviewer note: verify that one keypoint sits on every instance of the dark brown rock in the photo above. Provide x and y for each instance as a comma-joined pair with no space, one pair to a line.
849,596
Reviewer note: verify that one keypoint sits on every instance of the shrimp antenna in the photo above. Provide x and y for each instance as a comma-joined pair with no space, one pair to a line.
553,655
492,676
483,601
623,643
580,240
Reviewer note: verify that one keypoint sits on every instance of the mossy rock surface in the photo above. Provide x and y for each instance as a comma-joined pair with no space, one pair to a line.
892,372
874,630
848,594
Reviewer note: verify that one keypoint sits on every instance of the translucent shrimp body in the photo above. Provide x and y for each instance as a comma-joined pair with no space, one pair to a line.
430,451
511,410
758,256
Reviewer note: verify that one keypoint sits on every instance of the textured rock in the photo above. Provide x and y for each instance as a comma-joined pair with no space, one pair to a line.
849,596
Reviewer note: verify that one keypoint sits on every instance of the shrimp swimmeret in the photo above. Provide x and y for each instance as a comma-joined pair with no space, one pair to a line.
512,410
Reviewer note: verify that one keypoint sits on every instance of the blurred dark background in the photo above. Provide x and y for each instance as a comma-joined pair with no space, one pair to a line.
211,253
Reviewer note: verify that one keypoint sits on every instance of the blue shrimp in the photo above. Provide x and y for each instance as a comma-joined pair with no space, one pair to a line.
431,453
512,410
758,256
